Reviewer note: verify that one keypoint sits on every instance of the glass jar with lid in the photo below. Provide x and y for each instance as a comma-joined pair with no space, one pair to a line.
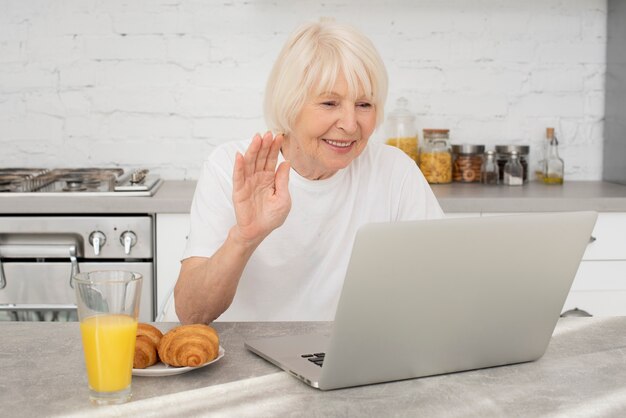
467,162
513,170
400,129
435,156
504,154
489,172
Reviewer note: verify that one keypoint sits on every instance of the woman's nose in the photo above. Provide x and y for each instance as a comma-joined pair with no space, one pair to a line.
347,119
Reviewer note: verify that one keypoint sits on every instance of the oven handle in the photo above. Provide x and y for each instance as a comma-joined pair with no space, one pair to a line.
74,270
39,251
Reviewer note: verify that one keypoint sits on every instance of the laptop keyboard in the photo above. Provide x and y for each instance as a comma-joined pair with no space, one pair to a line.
316,358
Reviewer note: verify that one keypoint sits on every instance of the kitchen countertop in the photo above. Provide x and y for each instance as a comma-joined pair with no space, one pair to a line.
171,197
581,374
532,197
174,196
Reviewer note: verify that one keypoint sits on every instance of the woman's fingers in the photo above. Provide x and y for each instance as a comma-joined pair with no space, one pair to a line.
262,154
261,158
238,172
251,155
272,157
282,179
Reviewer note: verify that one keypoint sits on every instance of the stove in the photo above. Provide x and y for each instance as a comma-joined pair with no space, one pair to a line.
77,182
39,254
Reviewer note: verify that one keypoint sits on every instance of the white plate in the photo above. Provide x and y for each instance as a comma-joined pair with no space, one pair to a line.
162,369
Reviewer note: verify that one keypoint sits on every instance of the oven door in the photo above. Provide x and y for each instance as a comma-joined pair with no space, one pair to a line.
41,291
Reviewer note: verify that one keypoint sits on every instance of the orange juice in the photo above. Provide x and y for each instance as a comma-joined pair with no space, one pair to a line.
109,345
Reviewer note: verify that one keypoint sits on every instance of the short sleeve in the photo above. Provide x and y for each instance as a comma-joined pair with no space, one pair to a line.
417,200
212,213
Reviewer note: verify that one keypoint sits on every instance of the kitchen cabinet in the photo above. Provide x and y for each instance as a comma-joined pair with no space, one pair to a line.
599,288
600,284
609,238
172,230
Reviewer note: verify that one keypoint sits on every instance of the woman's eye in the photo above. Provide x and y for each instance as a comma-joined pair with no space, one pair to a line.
364,105
329,103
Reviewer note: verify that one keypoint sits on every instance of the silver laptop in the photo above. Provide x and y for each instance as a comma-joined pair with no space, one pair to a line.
422,298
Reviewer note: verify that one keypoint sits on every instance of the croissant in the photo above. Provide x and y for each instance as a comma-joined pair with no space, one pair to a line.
150,331
145,353
148,338
189,345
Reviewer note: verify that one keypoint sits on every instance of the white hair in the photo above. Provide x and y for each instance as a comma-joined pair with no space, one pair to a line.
309,64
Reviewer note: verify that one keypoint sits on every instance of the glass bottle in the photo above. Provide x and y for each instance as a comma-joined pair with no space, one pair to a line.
401,131
513,170
541,165
554,166
436,157
490,173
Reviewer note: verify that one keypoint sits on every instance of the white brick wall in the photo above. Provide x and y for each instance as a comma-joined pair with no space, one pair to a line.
159,83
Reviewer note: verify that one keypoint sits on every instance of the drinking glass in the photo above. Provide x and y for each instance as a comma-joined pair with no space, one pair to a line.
108,308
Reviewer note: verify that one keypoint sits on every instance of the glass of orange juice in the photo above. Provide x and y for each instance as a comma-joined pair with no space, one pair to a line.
108,308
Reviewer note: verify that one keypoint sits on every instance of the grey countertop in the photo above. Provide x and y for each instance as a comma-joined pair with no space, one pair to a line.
532,197
174,196
171,197
581,374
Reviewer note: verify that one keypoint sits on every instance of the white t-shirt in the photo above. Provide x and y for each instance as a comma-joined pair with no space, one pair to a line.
297,272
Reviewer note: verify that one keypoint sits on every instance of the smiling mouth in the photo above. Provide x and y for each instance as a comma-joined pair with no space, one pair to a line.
339,144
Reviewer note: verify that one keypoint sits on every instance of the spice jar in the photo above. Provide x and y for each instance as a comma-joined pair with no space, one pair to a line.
467,162
489,173
513,171
435,156
401,131
504,153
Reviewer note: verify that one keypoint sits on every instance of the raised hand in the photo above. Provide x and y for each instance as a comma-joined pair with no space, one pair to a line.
260,193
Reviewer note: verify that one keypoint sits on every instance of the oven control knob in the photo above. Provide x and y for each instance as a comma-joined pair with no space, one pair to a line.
97,240
128,240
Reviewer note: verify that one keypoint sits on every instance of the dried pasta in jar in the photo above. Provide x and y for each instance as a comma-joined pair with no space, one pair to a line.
435,156
408,144
436,166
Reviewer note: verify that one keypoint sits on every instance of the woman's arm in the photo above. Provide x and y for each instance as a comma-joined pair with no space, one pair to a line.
207,286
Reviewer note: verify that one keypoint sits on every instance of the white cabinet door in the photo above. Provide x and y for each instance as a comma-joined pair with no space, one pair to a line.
610,238
599,288
600,284
172,230
597,302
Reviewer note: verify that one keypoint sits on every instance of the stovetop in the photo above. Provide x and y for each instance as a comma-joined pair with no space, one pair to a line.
77,182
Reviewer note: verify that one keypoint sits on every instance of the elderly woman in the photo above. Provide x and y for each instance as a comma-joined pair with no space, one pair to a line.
273,220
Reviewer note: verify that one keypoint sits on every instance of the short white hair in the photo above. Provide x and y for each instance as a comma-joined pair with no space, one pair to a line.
310,63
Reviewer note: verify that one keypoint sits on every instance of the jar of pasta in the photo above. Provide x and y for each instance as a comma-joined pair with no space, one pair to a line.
467,162
401,131
435,156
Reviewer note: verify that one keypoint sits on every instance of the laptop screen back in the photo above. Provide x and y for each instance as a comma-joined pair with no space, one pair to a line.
432,297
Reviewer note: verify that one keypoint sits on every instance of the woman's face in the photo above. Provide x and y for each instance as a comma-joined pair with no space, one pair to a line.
329,133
